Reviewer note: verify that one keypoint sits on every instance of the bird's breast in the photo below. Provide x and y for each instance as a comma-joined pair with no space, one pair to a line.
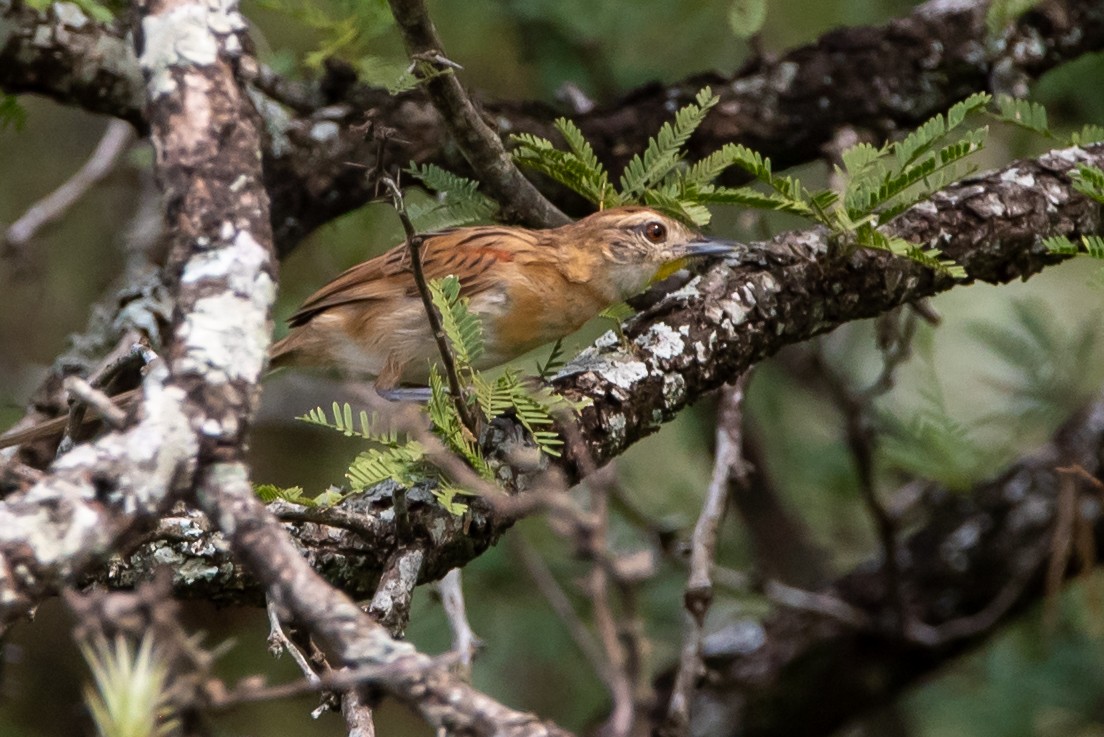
525,313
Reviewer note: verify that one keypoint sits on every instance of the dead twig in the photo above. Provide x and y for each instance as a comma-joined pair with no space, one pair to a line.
465,643
448,361
699,585
113,144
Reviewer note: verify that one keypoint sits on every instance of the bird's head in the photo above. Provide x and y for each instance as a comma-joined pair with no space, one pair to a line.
639,246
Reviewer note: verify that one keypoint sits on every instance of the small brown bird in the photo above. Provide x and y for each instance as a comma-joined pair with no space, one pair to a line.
528,287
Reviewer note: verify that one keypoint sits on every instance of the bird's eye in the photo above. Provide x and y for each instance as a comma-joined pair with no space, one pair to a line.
655,232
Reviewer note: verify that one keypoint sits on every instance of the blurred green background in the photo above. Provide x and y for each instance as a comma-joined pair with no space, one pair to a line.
1027,681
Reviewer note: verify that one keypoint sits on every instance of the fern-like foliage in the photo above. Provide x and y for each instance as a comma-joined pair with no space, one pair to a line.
462,328
881,182
1089,181
457,201
350,30
664,151
391,456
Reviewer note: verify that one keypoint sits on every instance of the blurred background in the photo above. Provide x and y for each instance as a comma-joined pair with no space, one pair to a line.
958,412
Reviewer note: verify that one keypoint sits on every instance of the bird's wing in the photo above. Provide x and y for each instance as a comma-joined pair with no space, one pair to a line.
468,253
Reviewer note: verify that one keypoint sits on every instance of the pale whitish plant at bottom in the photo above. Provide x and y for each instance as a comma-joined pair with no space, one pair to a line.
131,696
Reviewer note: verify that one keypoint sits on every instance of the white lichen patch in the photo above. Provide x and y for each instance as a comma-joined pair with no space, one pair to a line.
615,424
1016,175
674,390
325,130
225,336
955,548
241,266
662,341
70,15
185,35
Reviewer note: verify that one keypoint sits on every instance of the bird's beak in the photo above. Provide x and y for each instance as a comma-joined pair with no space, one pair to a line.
704,247
679,255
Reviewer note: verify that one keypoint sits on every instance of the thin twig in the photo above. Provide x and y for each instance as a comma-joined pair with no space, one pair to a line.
115,141
860,439
623,714
561,605
93,397
414,247
728,464
465,643
278,641
822,604
480,145
86,394
334,680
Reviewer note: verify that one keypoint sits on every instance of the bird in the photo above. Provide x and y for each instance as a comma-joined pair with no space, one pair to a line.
527,286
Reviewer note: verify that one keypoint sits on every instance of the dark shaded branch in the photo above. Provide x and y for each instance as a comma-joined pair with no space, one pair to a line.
878,79
800,672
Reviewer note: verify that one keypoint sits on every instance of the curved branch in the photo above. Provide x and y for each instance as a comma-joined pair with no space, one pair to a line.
482,147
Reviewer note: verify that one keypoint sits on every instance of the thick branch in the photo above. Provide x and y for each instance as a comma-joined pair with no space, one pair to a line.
723,322
695,339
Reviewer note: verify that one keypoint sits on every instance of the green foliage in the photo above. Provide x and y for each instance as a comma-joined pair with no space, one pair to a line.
664,151
1032,116
1089,181
1089,133
1002,13
1040,387
98,12
577,168
461,326
655,177
350,30
131,693
556,361
881,182
1093,245
1043,369
746,17
458,201
12,114
1024,113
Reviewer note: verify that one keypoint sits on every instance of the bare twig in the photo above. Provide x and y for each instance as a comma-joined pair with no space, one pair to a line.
116,139
84,392
465,643
817,603
561,605
619,681
480,145
414,246
278,641
699,586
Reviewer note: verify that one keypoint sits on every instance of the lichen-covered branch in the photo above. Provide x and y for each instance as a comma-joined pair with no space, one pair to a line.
729,318
197,404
